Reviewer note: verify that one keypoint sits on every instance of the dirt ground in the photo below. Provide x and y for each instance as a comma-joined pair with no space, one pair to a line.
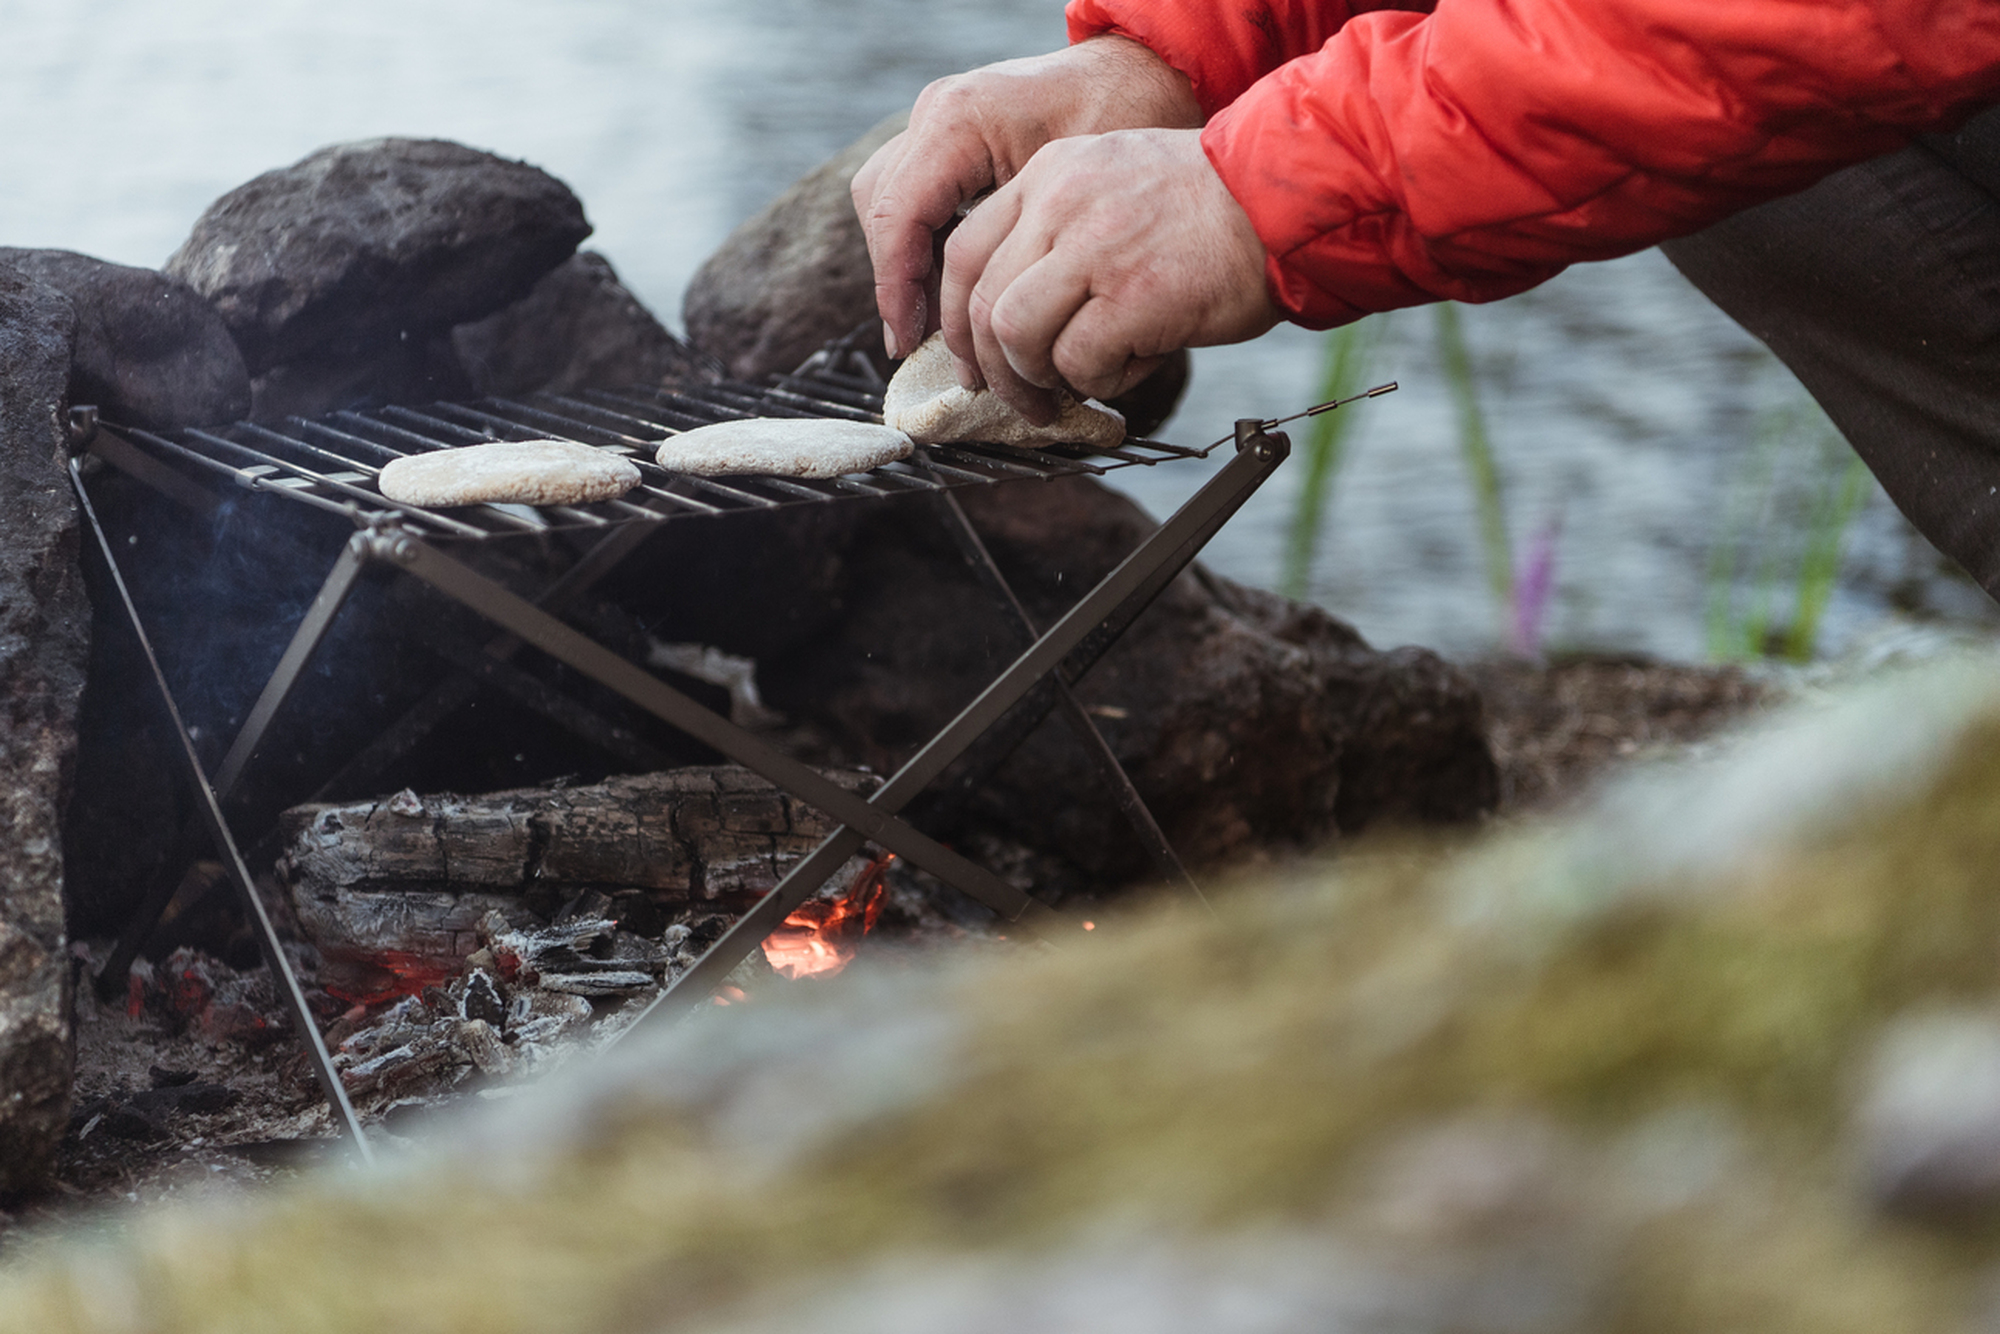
167,1110
1558,728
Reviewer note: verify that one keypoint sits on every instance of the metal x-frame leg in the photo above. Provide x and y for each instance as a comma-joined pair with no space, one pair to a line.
1130,804
209,807
1068,648
1063,653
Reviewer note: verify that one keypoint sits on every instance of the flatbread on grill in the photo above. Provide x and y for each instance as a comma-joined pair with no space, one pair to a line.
926,400
516,472
783,447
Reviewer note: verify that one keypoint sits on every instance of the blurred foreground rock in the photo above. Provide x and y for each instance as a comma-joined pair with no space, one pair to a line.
1658,1067
44,640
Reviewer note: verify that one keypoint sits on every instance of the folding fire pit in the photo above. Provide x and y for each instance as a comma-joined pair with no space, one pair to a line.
331,465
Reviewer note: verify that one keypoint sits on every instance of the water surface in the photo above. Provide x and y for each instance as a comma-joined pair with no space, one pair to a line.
1622,406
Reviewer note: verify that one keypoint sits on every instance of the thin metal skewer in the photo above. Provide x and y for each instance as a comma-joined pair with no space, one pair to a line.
1313,411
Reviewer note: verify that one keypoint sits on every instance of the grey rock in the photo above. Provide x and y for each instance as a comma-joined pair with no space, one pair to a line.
1244,719
417,368
791,278
1928,1123
580,328
364,242
149,351
1261,1280
44,640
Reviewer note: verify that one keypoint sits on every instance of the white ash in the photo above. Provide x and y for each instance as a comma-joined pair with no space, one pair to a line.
737,675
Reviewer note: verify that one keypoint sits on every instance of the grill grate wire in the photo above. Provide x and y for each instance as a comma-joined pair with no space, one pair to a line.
331,463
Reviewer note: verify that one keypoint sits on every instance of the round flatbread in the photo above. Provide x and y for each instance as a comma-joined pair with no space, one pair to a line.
783,447
510,472
926,401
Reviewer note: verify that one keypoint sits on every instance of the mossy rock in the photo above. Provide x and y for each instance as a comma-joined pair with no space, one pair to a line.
1598,1075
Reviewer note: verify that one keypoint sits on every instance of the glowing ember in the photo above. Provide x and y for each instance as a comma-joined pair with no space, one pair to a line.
383,976
821,935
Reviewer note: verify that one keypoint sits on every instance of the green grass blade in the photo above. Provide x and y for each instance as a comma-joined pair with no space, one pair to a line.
1736,635
1477,447
1347,354
1819,568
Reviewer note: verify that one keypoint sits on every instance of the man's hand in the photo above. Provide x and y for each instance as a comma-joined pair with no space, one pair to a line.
977,130
1104,254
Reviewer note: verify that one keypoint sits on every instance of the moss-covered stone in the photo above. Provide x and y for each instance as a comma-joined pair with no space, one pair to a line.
1595,1076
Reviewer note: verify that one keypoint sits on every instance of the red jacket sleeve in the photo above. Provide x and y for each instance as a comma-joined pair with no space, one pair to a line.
1223,46
1479,150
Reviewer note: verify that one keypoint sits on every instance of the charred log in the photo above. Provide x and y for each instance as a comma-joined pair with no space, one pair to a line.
416,876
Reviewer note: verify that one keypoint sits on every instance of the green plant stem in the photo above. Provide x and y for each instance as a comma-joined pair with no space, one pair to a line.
1347,354
1477,448
1819,567
1786,519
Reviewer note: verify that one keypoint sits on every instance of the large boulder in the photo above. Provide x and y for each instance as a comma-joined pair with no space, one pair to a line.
44,640
423,368
793,277
362,242
580,328
1245,720
341,276
149,350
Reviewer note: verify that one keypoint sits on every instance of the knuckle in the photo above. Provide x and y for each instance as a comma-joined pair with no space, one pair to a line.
979,307
933,91
953,96
1091,370
957,250
1009,326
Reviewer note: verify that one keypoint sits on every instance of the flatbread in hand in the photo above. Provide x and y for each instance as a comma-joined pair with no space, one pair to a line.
783,447
510,472
926,400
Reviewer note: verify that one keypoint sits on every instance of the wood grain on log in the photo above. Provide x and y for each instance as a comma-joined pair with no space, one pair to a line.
416,874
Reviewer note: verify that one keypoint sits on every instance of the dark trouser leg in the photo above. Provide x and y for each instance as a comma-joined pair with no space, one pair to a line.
1880,288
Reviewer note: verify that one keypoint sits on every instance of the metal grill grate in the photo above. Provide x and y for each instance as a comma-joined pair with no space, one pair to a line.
332,463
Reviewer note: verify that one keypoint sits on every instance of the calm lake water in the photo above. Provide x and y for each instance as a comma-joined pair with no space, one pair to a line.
1639,434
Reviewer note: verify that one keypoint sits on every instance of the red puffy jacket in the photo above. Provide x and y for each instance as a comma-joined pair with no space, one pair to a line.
1389,156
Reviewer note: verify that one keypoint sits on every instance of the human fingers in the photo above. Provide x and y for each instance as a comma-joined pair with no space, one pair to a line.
1096,352
978,129
1017,274
1035,402
1038,300
966,253
1171,259
910,187
984,258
